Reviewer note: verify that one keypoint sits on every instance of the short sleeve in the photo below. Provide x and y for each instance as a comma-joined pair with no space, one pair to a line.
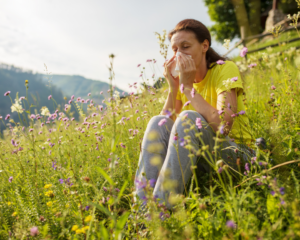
178,96
227,72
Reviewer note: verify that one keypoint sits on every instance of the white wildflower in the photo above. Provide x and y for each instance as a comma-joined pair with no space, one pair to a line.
279,66
45,111
226,43
227,83
17,107
265,57
269,49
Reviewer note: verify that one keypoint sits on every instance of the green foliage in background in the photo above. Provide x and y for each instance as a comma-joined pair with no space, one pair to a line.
223,14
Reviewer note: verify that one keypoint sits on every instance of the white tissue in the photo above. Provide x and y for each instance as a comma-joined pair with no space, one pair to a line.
175,70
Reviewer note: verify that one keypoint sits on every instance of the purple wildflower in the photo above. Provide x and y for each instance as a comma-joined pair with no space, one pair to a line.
230,224
7,117
49,97
281,190
247,167
54,165
220,170
34,231
273,87
181,88
198,123
7,93
242,112
168,113
152,182
234,79
117,189
187,103
10,179
272,193
162,122
182,142
220,62
193,92
87,208
61,181
222,129
105,189
243,52
140,184
31,130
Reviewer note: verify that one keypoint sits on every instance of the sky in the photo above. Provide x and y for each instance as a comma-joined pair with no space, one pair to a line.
76,37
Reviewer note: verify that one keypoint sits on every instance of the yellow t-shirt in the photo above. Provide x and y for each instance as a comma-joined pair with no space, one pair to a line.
212,85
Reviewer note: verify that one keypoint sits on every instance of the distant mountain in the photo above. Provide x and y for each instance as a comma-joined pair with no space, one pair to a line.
80,86
13,79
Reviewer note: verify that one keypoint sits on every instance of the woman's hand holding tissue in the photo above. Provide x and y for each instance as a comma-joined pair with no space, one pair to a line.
173,82
187,69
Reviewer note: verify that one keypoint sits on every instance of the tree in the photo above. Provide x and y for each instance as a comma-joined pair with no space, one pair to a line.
229,15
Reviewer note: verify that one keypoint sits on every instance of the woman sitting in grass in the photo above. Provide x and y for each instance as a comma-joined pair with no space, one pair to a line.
203,119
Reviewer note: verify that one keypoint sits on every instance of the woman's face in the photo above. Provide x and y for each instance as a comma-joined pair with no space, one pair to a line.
187,43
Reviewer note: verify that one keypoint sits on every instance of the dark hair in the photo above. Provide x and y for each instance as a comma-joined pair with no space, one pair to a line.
201,33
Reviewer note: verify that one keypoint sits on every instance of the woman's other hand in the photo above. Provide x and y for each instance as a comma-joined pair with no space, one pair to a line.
173,82
187,69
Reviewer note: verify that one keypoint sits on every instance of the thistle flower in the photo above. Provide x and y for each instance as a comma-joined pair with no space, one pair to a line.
138,65
10,179
187,103
230,224
34,231
7,117
7,93
273,87
31,130
220,62
89,94
49,97
162,122
220,170
181,88
193,92
243,52
198,123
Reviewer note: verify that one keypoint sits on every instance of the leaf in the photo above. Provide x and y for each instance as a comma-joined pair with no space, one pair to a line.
272,207
105,175
122,189
101,208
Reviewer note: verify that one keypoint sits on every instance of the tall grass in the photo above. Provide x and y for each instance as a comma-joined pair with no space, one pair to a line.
62,179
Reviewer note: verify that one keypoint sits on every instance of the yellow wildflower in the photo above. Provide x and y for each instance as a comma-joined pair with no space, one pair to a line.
26,81
74,228
49,194
78,231
48,186
86,228
14,214
88,218
8,203
49,204
67,205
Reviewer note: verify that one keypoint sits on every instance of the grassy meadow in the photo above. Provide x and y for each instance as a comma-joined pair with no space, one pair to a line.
62,179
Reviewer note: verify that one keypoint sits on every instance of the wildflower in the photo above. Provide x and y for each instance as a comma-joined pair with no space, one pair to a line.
193,92
117,189
10,179
187,103
7,117
162,122
61,181
34,231
49,204
50,152
181,88
252,65
220,112
14,214
222,129
7,93
1,117
89,94
31,130
49,194
152,182
230,224
169,114
88,218
40,132
247,167
74,228
105,189
282,201
49,97
138,65
32,116
87,208
226,44
234,79
281,190
220,62
220,170
48,186
198,123
16,107
182,142
272,193
243,52
141,184
273,87
242,112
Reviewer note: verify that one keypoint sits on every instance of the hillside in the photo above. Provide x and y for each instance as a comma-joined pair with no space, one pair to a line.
80,86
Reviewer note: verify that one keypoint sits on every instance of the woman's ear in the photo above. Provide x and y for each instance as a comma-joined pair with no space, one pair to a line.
205,46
